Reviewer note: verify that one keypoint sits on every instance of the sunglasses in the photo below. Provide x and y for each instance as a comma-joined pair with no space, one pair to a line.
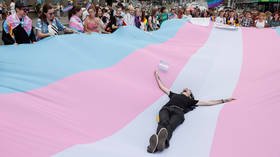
25,9
51,14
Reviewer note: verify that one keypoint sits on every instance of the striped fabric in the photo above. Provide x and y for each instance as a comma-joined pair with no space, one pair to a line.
214,3
95,95
76,24
53,30
13,21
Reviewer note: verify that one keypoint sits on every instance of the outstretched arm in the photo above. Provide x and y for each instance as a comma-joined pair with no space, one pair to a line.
214,102
160,84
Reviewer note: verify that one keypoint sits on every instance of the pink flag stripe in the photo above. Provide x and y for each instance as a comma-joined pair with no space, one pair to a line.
249,127
91,105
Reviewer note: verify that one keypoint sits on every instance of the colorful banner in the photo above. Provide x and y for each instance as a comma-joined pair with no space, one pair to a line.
214,3
67,8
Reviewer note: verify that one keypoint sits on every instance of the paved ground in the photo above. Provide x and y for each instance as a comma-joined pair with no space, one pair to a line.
64,20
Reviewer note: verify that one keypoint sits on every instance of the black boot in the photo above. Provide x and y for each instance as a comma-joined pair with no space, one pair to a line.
153,144
162,137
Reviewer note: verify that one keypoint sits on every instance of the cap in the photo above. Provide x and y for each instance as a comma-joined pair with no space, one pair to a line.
20,5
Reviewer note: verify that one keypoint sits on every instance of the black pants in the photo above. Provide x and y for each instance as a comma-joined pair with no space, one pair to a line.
170,118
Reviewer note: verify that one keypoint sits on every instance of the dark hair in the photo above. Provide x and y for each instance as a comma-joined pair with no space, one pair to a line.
46,8
97,10
19,5
154,11
247,12
221,11
104,10
203,13
143,16
120,5
180,13
4,15
73,11
191,95
162,9
111,13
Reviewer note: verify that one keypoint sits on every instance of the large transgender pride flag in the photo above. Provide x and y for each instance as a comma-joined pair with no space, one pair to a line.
95,95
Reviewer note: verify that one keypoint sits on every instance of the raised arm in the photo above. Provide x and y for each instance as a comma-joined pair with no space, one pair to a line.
214,102
160,84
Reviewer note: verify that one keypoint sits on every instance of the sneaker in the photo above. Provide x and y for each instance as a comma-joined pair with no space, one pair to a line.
162,137
153,143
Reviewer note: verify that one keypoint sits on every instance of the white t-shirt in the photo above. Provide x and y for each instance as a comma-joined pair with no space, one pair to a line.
260,24
142,26
187,16
220,20
84,15
129,19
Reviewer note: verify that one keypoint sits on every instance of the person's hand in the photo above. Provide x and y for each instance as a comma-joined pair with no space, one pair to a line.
105,32
76,32
51,34
115,27
68,31
229,99
156,74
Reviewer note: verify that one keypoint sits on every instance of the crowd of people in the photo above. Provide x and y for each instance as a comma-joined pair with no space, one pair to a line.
18,27
248,18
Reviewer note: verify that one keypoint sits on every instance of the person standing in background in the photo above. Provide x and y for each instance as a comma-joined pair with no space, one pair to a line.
75,22
129,18
12,7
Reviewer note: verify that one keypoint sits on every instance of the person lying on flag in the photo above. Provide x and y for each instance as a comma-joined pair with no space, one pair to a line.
171,115
48,25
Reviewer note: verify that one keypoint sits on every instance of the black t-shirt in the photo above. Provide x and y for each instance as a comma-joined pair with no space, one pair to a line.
182,101
114,21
